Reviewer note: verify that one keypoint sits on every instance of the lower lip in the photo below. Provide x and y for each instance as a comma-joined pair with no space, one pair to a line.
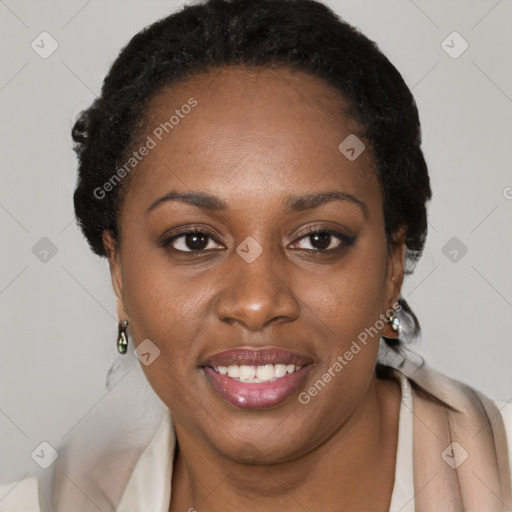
257,395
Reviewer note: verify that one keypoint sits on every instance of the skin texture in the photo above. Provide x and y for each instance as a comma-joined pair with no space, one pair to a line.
255,138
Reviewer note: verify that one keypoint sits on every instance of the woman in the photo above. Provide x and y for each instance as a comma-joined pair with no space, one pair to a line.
252,171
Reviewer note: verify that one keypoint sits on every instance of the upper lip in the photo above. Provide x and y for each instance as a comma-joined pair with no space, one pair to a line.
256,357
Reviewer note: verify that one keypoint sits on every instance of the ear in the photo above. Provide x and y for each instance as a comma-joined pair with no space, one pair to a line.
116,272
396,266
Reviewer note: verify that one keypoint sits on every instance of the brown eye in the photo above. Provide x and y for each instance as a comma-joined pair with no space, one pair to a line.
191,241
321,241
326,240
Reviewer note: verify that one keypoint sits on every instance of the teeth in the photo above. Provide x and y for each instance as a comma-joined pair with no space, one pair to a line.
254,374
280,370
233,371
266,372
247,372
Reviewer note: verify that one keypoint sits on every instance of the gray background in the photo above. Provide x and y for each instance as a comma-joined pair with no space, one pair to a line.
58,322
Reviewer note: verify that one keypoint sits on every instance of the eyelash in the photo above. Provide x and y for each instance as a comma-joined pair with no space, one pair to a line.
346,240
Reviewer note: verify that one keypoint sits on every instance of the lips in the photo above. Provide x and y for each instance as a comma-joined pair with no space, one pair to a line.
255,379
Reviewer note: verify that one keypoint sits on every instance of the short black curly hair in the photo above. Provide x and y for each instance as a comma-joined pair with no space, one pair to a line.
302,35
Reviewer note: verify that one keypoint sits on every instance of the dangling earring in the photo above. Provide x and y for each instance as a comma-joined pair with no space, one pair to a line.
394,321
122,338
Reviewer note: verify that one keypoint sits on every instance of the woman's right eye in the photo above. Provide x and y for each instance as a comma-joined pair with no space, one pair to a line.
194,240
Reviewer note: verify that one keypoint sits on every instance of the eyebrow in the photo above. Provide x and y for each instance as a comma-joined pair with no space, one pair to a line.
198,199
310,201
212,203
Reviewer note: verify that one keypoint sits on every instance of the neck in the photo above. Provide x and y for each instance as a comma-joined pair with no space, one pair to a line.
355,466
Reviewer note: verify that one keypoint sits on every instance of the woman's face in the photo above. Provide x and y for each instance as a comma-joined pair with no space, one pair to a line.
255,158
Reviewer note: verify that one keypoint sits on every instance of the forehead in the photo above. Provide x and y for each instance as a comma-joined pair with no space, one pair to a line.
256,130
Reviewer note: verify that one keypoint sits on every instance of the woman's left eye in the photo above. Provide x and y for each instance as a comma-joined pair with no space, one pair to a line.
325,240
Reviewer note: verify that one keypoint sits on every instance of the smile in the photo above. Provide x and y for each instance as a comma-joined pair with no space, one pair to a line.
257,374
256,379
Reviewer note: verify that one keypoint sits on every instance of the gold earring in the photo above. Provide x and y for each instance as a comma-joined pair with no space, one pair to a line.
122,337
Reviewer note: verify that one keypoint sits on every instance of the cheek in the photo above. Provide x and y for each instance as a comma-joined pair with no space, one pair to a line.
158,299
164,307
351,297
347,308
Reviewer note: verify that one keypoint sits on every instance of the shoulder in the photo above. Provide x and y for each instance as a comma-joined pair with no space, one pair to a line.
21,496
505,409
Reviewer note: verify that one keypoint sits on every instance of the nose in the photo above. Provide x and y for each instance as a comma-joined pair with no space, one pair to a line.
256,294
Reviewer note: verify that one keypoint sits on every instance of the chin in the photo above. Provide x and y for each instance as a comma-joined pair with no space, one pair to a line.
260,454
